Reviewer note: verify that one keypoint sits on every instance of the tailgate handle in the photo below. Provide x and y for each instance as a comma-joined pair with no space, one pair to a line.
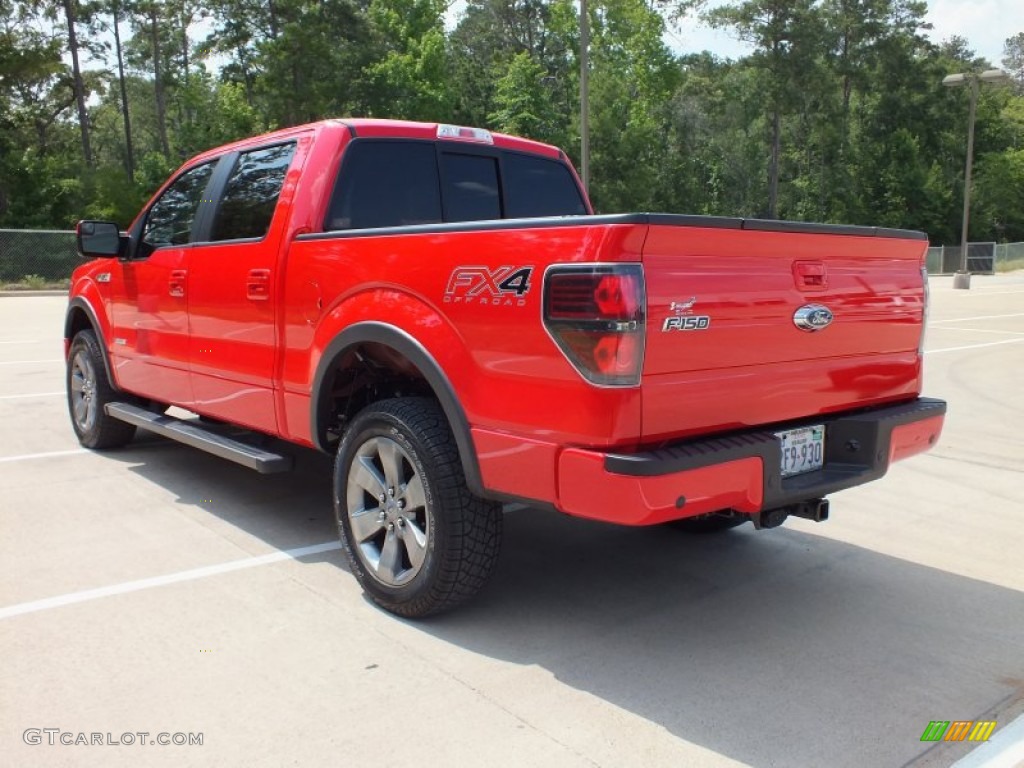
810,275
257,285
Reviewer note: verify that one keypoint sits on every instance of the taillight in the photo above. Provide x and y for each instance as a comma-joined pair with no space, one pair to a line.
596,316
924,314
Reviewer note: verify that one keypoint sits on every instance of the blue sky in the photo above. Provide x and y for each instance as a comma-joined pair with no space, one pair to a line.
984,23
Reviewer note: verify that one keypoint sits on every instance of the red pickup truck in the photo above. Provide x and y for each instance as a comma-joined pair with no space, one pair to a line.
439,307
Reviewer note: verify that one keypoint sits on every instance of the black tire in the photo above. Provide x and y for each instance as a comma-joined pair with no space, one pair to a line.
88,392
423,542
715,522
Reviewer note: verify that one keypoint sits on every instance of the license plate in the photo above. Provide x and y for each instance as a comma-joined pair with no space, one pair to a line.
803,449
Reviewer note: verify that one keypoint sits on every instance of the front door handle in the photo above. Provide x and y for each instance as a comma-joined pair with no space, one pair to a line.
176,283
257,285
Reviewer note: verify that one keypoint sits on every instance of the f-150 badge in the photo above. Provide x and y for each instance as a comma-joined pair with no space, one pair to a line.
684,319
502,286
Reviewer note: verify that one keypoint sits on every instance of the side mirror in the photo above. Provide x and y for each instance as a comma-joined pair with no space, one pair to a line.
98,239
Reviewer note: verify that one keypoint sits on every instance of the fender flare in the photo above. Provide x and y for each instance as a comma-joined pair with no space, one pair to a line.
79,302
414,352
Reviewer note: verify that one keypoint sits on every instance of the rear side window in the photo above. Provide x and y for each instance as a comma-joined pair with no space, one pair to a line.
470,187
251,193
539,187
170,218
386,184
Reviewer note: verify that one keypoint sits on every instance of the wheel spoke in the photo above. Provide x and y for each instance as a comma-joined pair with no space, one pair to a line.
391,459
83,365
365,523
368,477
390,558
415,541
77,382
81,411
413,496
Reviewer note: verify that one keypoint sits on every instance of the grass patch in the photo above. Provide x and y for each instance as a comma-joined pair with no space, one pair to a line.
1010,265
36,283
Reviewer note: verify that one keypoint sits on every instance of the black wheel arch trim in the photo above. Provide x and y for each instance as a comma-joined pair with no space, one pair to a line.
415,353
81,303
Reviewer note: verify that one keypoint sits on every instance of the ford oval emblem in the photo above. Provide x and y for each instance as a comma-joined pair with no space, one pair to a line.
812,317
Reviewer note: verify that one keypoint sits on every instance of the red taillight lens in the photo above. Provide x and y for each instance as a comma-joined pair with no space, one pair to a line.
596,316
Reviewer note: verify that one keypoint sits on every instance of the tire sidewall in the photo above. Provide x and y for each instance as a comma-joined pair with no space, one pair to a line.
85,341
381,423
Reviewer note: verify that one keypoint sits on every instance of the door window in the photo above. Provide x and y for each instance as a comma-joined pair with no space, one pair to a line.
251,193
170,219
386,184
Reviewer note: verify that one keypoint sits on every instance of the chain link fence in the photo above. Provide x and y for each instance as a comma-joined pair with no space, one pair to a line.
1009,256
982,258
37,255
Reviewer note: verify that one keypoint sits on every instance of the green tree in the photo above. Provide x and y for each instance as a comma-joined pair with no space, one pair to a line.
410,80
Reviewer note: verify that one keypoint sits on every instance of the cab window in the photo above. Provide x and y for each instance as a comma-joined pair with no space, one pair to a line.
170,219
251,193
386,184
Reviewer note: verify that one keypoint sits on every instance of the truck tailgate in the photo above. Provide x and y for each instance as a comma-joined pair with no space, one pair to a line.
724,349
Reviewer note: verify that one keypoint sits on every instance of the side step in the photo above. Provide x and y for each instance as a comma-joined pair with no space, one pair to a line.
264,462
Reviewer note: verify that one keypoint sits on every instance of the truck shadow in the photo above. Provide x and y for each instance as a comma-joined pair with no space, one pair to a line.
772,648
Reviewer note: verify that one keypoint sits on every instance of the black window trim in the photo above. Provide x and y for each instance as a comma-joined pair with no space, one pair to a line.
442,146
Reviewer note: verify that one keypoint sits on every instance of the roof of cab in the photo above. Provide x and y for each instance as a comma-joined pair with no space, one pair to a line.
372,127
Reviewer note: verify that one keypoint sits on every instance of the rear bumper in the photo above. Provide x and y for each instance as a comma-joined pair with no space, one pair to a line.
740,471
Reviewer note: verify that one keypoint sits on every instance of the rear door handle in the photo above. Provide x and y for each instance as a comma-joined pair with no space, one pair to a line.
257,285
176,283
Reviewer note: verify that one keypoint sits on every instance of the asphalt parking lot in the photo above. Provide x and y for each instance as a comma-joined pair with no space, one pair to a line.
158,590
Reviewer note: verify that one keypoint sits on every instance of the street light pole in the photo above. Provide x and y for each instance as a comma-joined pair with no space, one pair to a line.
972,80
962,279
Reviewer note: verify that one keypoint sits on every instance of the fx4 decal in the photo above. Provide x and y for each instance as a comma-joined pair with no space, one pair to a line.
502,286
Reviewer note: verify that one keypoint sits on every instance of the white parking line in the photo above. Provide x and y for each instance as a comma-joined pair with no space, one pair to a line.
976,317
26,362
27,456
29,341
159,581
973,346
969,294
979,330
1004,750
36,394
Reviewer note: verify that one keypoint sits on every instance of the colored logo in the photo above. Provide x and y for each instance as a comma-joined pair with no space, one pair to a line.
812,317
504,286
958,730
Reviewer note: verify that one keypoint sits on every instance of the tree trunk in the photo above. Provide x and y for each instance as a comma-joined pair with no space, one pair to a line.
129,160
185,18
158,81
83,117
773,165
